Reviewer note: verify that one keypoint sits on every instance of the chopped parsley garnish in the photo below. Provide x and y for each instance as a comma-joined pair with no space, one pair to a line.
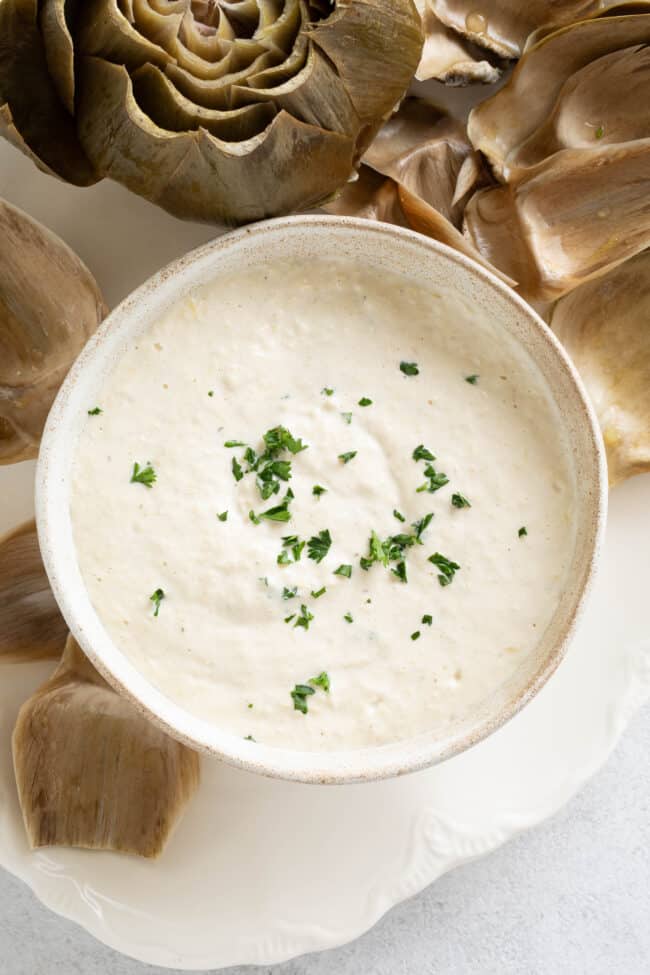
237,471
143,475
421,525
95,411
253,517
364,401
305,617
296,546
427,619
347,457
348,618
400,571
522,531
249,738
460,501
270,469
409,368
234,443
347,417
600,132
249,705
473,379
319,592
223,516
318,489
279,438
393,549
327,391
416,635
421,453
289,593
210,392
343,570
322,680
288,619
435,480
279,513
156,598
283,558
447,568
397,514
319,545
299,696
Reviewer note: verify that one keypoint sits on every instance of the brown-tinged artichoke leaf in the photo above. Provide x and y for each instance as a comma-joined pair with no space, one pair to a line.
605,327
566,220
521,124
502,26
370,196
289,165
449,57
216,92
283,72
58,46
375,46
92,772
103,30
49,305
31,626
167,108
159,27
32,114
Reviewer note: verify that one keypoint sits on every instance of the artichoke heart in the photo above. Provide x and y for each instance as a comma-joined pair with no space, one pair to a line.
49,305
91,771
217,110
31,626
605,327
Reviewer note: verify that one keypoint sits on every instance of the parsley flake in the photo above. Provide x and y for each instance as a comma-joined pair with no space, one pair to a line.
348,618
347,457
397,514
435,480
156,598
327,391
421,453
421,525
427,619
364,401
237,471
253,517
409,368
210,392
279,513
522,531
343,570
249,738
599,133
318,489
460,501
143,475
319,592
319,545
400,571
288,619
234,443
296,546
473,379
416,635
322,680
299,696
447,568
223,516
96,410
305,618
289,593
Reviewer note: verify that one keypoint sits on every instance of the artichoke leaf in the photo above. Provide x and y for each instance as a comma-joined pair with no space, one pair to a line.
33,116
604,325
263,175
566,220
91,771
59,51
102,29
49,306
160,28
216,92
376,47
279,74
166,107
31,626
501,126
449,57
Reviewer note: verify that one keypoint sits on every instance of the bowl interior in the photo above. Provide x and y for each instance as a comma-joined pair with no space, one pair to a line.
419,261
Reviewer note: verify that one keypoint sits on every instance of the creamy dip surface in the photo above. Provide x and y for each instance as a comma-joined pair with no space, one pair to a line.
301,346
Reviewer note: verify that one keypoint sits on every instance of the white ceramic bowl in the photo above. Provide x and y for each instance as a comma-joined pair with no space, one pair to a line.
418,259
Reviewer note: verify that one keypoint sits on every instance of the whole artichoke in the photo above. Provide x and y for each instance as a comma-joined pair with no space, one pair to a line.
217,110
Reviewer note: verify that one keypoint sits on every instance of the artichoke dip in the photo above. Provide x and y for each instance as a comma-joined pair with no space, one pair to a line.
323,508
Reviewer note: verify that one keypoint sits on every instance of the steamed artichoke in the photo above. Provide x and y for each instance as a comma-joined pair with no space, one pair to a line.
217,110
49,305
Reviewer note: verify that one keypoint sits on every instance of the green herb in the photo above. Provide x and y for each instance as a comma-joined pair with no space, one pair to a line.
296,546
348,618
249,738
249,706
416,635
364,401
343,570
95,411
289,495
421,525
318,490
409,368
427,619
210,392
279,438
472,380
318,593
279,513
322,680
289,593
156,598
234,443
327,391
288,619
253,517
400,571
237,471
143,475
460,501
319,545
347,457
421,453
347,417
600,132
447,568
397,514
283,558
522,531
305,617
299,696
435,480
223,516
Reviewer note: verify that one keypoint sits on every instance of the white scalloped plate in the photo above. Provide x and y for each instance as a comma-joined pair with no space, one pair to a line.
261,870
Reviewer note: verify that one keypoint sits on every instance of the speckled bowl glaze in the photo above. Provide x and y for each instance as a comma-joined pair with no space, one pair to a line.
418,260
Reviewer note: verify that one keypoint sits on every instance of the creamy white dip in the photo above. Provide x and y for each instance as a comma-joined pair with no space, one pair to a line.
247,353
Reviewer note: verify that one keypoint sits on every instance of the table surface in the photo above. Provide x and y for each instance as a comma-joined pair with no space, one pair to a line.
567,898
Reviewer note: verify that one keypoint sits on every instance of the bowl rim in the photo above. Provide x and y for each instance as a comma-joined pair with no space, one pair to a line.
336,767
